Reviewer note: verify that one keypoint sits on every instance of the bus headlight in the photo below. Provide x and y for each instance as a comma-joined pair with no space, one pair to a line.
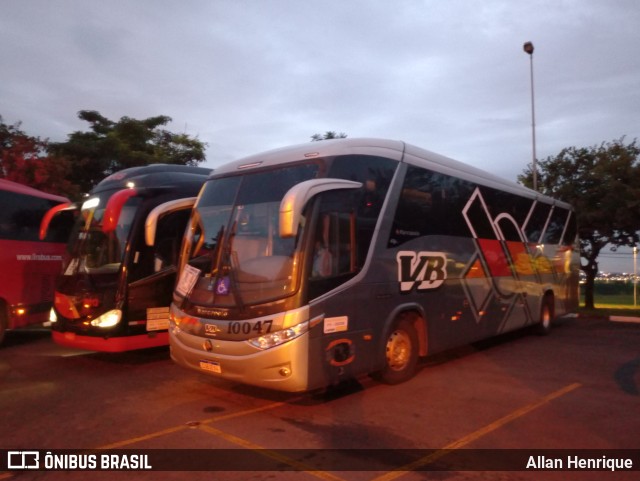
108,319
280,337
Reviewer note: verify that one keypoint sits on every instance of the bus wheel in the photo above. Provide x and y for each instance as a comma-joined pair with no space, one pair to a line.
546,316
401,353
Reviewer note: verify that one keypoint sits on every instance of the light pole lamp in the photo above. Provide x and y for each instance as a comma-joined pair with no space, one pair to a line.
528,47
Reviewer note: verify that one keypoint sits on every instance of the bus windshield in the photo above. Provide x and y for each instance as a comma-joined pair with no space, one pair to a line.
233,245
94,251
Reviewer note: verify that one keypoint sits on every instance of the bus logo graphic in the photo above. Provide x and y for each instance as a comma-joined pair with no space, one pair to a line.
212,329
422,270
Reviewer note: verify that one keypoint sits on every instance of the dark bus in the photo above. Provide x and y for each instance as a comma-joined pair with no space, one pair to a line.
114,291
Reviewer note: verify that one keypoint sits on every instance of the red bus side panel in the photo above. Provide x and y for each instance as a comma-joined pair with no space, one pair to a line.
27,277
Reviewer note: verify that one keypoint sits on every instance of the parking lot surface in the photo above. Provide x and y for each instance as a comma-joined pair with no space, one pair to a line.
465,414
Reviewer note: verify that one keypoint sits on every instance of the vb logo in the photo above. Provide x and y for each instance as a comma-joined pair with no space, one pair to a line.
426,269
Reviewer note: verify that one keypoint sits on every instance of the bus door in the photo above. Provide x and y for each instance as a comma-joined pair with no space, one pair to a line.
339,242
154,270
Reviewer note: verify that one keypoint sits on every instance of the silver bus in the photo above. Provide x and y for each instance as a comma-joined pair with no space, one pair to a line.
309,265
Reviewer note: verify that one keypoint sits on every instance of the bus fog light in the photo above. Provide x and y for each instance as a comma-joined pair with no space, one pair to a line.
108,319
280,337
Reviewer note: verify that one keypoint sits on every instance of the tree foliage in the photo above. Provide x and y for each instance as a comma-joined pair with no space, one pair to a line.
110,146
329,134
603,185
25,159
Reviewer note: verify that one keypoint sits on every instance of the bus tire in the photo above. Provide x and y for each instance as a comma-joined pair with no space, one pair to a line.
546,316
401,353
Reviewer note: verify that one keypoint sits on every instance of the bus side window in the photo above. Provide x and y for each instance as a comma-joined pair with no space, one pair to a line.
322,253
335,237
169,235
334,253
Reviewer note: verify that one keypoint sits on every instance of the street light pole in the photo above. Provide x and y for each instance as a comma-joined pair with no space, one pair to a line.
635,276
528,47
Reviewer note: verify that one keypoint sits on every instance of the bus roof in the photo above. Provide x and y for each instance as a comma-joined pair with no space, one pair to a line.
153,175
394,149
26,190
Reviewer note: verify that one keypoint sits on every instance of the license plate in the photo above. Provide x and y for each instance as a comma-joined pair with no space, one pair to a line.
157,318
158,325
211,366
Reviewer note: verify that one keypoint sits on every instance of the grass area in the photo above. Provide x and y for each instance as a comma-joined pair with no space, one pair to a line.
612,302
603,309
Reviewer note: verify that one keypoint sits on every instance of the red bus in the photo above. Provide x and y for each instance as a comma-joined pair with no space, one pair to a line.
29,265
114,291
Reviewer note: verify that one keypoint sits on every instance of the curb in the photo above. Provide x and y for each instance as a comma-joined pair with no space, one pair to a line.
629,319
624,319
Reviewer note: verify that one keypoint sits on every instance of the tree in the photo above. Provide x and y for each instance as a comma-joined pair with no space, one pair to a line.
603,185
329,134
25,159
111,146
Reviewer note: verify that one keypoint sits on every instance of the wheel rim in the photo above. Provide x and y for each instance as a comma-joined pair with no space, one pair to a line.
398,350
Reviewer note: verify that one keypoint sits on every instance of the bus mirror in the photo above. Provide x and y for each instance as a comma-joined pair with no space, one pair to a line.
151,223
297,197
114,208
50,214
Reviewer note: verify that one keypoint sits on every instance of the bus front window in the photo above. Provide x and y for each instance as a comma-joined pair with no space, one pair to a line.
94,251
234,240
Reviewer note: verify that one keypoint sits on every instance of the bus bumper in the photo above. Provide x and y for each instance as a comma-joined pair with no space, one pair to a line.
111,344
281,368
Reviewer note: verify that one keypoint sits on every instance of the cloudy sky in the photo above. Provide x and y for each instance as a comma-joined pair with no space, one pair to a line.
250,75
